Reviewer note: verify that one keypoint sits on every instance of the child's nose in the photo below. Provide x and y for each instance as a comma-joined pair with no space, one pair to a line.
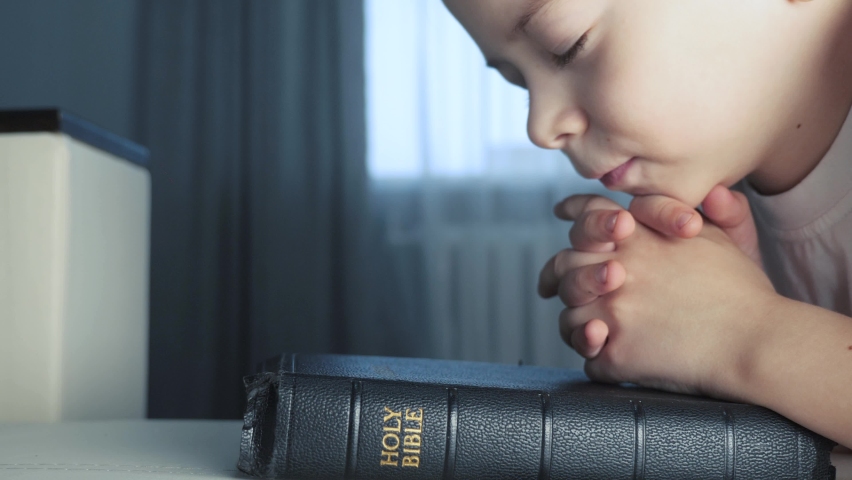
552,125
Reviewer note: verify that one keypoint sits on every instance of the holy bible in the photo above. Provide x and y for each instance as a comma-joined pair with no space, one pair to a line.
362,417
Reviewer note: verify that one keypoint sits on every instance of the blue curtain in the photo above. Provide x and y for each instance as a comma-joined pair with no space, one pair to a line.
262,238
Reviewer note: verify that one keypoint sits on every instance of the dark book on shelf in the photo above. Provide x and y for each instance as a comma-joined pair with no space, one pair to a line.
312,416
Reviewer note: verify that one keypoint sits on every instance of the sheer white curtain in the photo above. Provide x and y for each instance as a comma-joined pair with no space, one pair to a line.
464,197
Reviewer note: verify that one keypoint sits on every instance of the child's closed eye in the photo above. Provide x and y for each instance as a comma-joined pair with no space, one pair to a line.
566,58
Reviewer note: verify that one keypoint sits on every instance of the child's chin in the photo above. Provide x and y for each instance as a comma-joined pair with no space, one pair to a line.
689,198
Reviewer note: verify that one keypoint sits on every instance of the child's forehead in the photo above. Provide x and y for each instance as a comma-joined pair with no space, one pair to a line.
531,8
495,24
509,18
490,21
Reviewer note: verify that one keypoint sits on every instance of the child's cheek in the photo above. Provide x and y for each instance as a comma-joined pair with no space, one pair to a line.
629,102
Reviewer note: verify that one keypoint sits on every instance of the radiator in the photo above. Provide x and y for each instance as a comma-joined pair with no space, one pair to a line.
481,246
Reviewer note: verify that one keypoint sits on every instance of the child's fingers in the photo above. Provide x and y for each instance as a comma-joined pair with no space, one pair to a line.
725,209
558,267
572,207
587,340
730,211
596,333
666,215
585,284
596,230
598,369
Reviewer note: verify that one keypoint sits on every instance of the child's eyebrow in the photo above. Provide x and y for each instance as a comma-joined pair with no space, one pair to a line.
533,7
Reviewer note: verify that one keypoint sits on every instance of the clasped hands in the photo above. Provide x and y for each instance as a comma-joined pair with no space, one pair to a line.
655,295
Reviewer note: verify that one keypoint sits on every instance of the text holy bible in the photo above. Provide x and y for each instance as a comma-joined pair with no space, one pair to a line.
359,417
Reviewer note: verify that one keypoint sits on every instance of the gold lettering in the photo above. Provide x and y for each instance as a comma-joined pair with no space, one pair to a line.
395,440
393,429
393,416
411,441
413,416
390,458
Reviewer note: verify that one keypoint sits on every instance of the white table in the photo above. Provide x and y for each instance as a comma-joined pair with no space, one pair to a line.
145,449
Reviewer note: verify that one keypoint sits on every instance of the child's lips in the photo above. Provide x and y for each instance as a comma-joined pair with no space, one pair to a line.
615,177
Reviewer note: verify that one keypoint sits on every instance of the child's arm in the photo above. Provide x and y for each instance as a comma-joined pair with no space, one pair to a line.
802,368
697,316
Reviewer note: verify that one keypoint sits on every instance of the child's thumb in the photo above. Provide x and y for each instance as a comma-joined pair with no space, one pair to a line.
729,210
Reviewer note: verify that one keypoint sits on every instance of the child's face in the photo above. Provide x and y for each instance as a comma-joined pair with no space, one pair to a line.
695,91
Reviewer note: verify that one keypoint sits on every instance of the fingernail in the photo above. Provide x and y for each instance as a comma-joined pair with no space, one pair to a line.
610,223
600,275
683,219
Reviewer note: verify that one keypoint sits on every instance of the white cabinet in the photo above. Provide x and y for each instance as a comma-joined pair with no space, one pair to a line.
74,266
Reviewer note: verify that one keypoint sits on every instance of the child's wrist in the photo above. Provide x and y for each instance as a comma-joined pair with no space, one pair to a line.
742,372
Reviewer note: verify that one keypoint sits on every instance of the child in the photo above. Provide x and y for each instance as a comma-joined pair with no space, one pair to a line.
675,101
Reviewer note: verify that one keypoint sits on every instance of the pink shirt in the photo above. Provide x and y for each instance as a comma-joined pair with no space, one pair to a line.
806,232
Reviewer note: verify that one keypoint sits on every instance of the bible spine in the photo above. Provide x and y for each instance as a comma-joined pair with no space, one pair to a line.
317,427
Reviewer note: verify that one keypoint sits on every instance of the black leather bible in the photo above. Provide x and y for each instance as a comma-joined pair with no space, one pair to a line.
361,417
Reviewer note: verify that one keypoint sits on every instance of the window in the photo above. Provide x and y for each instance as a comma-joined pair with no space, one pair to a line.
434,109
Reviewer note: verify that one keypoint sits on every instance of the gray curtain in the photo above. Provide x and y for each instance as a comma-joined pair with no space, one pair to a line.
262,237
